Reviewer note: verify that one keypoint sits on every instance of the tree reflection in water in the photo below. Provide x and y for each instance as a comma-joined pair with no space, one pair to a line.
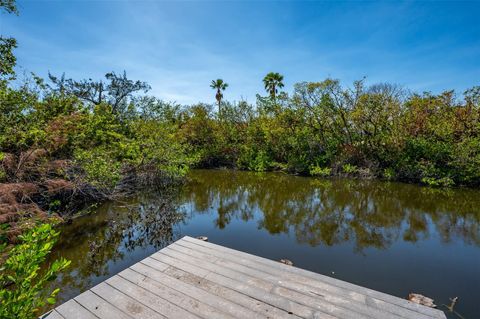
112,238
328,212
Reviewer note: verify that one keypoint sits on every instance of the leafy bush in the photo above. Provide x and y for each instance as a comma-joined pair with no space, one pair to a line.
22,280
438,182
415,137
349,168
320,171
102,168
389,173
261,162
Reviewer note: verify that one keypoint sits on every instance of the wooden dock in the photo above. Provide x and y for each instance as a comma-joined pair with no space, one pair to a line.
195,279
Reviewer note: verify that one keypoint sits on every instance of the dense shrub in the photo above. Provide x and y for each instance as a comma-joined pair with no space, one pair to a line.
22,278
326,129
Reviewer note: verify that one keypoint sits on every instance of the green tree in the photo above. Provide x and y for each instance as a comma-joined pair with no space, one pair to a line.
220,86
272,82
7,58
117,91
9,5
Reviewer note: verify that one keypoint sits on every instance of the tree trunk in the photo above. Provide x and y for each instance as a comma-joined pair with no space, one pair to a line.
219,100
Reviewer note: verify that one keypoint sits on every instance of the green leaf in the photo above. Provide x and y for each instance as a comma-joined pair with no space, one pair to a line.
26,290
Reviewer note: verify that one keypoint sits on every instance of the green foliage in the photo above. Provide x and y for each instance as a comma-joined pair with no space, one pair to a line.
9,6
54,205
389,173
7,58
102,141
440,182
256,161
107,128
7,45
320,171
158,146
349,169
100,165
272,82
3,174
22,279
379,131
220,86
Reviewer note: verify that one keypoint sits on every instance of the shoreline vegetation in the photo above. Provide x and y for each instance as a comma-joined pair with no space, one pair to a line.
66,143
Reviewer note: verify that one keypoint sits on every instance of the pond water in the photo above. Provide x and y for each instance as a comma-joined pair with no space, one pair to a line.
390,237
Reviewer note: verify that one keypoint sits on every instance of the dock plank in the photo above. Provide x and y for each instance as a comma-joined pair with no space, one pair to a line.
193,279
323,301
190,276
341,297
150,300
73,310
219,303
182,300
375,295
241,284
53,315
99,307
230,294
125,303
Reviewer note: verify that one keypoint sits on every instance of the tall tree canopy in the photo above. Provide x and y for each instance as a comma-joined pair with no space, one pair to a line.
116,91
272,81
220,86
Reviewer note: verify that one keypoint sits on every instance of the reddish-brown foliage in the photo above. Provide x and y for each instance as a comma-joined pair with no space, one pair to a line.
58,186
60,131
15,204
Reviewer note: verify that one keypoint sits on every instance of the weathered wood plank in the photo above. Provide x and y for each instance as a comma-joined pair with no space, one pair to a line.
125,303
173,296
193,275
229,294
377,297
218,290
323,301
245,286
73,310
149,299
99,307
207,265
277,278
52,315
306,283
335,295
231,308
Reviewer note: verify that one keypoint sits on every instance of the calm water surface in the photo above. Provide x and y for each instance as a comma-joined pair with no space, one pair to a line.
391,237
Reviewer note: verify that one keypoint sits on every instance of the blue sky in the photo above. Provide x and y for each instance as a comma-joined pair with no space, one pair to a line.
180,46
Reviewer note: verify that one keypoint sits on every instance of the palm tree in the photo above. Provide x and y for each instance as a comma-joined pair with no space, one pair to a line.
272,81
220,86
